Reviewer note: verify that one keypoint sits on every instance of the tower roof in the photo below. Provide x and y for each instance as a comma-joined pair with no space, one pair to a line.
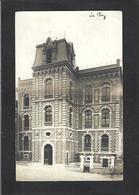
61,50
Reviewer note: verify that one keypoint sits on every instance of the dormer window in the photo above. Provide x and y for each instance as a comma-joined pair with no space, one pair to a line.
49,55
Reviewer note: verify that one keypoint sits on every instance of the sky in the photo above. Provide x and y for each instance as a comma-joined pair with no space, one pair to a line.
96,36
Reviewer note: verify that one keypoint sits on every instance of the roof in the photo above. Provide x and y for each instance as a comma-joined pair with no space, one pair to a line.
100,69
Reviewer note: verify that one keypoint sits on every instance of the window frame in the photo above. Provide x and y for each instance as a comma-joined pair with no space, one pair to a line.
105,117
48,88
25,98
106,160
88,118
88,96
104,144
87,143
49,55
25,117
106,93
48,114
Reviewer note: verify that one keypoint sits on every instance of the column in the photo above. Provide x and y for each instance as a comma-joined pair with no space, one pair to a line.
91,163
112,165
82,162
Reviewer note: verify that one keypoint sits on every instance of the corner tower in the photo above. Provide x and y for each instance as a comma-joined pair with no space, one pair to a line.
53,103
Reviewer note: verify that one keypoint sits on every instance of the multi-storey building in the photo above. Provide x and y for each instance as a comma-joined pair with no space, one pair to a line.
64,112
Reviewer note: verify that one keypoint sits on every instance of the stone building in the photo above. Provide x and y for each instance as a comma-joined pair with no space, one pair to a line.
64,112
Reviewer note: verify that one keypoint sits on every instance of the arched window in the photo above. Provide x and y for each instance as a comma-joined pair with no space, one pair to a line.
26,143
105,117
88,94
26,122
105,93
104,142
87,143
48,115
26,101
88,119
49,55
48,88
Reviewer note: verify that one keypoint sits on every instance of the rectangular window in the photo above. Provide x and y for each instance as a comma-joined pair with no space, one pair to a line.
106,94
105,162
88,94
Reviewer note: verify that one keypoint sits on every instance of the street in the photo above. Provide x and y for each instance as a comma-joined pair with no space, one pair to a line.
37,172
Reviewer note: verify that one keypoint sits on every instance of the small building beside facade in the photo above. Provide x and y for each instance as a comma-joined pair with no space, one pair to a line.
65,113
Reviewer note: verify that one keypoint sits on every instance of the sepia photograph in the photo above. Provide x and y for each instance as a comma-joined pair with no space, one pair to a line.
69,96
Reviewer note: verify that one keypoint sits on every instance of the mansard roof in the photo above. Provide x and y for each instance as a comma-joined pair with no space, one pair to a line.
56,45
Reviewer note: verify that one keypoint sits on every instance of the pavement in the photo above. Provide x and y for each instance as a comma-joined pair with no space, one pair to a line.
38,172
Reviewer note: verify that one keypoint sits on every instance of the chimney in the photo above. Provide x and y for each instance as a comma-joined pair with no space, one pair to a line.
118,62
77,69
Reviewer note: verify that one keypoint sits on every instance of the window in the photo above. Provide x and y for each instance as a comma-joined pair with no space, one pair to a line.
105,120
26,122
105,162
88,94
71,90
87,143
49,55
48,134
88,119
70,118
26,101
48,115
104,143
105,93
48,88
26,143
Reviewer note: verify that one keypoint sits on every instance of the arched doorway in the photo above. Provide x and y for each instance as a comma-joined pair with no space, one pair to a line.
48,154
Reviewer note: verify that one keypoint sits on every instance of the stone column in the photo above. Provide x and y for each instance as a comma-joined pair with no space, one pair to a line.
91,163
82,162
112,162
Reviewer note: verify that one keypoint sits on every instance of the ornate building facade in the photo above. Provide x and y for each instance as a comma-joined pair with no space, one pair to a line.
64,112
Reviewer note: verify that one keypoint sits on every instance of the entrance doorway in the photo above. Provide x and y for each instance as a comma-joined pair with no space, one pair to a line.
48,153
